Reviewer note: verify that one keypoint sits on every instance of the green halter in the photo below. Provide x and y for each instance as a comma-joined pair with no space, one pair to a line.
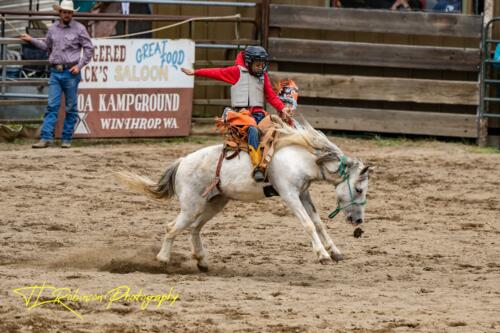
345,176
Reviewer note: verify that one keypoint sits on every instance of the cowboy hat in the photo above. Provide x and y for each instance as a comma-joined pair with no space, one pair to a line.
65,5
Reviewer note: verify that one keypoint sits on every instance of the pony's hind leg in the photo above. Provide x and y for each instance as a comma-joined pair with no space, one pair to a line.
181,222
328,243
199,253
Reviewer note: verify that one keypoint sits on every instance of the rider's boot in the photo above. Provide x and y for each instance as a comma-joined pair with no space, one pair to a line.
256,156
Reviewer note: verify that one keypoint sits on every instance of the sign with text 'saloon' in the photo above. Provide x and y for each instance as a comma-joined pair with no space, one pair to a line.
135,88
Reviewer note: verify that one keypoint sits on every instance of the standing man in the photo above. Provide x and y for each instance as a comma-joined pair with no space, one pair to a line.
64,43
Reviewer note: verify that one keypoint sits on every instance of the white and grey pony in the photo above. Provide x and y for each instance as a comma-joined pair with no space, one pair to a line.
302,156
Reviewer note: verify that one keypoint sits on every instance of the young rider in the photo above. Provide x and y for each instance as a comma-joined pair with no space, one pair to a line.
250,87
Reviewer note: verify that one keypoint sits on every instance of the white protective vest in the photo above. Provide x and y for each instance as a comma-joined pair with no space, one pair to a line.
248,91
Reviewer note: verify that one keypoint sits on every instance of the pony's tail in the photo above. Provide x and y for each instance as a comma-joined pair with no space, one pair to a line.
165,188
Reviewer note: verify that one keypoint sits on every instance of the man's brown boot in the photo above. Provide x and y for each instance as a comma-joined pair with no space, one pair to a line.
41,144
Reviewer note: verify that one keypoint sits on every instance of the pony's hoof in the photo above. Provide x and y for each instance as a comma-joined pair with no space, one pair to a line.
337,257
162,259
203,269
325,261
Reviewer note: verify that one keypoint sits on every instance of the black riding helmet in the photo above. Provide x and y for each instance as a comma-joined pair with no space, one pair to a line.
253,53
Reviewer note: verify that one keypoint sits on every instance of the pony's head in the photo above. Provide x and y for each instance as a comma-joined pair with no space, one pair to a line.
350,176
351,189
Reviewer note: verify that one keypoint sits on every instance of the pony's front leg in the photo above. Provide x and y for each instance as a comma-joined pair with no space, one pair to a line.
334,252
295,204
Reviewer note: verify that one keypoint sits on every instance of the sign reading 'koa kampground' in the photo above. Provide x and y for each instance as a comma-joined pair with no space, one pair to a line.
135,88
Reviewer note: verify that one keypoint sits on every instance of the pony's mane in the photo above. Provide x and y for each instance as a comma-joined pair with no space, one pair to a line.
305,136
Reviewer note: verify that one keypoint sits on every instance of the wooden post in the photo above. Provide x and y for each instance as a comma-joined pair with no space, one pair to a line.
467,7
488,12
265,22
482,140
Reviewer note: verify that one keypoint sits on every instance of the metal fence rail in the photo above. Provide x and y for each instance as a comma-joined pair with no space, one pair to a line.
190,3
488,83
47,16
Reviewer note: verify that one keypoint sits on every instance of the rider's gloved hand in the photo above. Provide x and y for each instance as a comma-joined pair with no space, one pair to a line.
286,115
288,111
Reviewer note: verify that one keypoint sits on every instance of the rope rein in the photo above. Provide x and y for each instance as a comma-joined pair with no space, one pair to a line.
210,18
10,25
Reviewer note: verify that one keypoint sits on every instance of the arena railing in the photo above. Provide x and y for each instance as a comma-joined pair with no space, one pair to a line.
490,82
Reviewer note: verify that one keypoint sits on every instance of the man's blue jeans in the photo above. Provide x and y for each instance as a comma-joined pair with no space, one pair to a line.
67,83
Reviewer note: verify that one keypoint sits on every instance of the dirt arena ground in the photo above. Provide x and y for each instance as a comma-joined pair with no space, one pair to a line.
429,260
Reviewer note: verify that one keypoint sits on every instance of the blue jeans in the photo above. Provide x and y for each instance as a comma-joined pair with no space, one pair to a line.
253,132
67,83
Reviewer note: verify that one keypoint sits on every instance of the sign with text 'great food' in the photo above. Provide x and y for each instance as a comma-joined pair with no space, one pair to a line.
135,88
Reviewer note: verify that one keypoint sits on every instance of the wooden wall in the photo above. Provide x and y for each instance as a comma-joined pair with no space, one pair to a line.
355,73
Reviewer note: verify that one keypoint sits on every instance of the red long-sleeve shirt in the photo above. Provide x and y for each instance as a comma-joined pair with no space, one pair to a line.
231,75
